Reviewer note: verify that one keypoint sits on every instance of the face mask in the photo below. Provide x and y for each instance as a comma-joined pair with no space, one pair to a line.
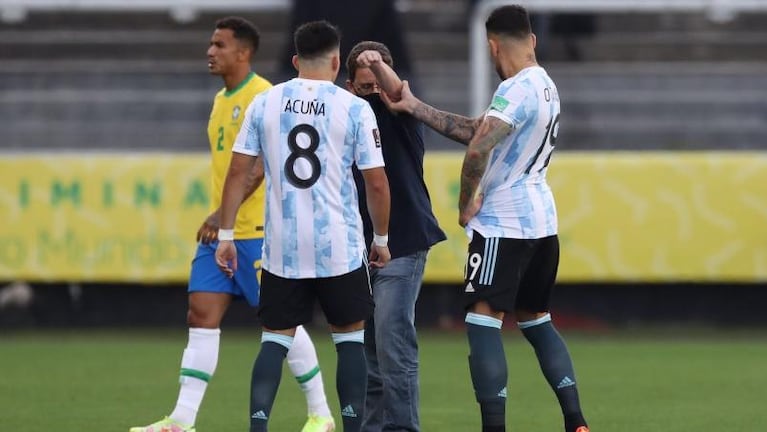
373,99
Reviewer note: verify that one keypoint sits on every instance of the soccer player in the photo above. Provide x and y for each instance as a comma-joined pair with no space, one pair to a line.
391,346
508,211
309,132
232,46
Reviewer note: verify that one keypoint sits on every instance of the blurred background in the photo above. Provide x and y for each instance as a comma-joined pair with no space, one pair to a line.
661,179
660,172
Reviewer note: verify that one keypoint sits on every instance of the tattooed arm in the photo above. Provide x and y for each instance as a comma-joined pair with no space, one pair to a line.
491,132
456,127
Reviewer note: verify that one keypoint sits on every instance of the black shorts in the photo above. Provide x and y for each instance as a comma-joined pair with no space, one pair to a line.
288,303
511,274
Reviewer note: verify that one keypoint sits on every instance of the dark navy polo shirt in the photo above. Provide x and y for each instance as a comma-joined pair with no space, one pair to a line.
412,225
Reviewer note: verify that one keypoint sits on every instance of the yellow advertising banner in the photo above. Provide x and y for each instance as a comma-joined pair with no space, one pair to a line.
636,216
101,217
623,216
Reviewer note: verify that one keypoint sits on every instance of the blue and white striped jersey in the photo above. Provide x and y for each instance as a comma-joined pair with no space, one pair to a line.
518,202
309,134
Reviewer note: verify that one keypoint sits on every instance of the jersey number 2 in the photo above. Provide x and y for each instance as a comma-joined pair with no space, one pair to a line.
219,144
308,153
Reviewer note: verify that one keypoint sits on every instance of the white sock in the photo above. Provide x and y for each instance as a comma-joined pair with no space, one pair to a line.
197,366
302,361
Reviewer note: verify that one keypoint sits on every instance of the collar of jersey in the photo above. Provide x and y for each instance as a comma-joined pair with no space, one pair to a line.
244,82
312,80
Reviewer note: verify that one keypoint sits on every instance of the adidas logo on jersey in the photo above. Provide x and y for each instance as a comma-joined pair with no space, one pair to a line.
260,415
469,288
566,382
502,393
348,411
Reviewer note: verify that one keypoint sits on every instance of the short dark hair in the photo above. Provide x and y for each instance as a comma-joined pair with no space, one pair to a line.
315,39
511,20
351,60
243,30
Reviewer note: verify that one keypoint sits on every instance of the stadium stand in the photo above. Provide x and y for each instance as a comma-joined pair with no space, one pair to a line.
114,79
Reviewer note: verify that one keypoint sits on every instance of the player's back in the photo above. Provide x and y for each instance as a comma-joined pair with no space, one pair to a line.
311,134
518,202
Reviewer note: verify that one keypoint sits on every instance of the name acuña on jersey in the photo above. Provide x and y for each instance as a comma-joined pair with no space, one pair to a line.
298,106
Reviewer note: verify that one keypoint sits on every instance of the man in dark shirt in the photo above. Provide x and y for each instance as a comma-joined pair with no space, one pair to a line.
390,336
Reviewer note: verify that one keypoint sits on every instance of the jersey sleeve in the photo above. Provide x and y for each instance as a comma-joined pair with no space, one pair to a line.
247,141
367,142
510,104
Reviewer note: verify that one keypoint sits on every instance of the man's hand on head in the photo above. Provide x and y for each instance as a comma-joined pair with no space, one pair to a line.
368,58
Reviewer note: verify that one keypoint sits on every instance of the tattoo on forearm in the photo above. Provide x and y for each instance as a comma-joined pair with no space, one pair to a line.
475,161
453,126
473,168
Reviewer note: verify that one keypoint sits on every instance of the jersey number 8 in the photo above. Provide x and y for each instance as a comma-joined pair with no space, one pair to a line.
308,153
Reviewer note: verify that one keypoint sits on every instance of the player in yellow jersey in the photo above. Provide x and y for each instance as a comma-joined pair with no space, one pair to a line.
232,45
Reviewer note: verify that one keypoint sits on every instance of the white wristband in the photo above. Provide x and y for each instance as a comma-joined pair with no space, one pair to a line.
225,234
380,240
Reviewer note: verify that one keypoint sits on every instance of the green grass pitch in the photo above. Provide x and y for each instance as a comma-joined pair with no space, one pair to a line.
111,380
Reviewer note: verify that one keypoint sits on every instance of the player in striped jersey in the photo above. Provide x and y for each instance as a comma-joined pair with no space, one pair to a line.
509,213
309,132
232,45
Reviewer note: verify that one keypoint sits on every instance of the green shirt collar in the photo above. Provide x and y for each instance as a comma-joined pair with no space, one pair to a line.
244,82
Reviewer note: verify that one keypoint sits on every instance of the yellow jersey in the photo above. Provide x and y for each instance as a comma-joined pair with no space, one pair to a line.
224,124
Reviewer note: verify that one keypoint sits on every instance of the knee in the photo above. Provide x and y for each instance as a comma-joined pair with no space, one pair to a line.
202,318
348,328
524,316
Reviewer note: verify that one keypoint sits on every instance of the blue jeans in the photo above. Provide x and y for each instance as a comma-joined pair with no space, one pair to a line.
391,347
